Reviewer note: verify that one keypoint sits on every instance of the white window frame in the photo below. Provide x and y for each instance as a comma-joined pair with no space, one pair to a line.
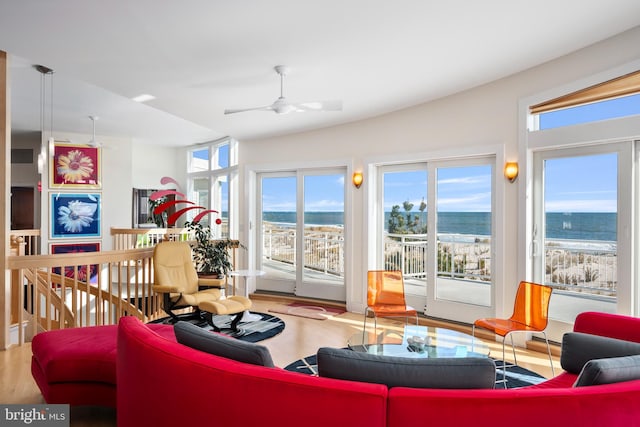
230,172
372,239
584,135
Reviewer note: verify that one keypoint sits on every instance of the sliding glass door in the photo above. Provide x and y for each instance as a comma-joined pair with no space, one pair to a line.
580,233
302,233
437,228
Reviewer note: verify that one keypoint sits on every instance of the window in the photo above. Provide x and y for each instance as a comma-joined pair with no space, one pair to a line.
212,168
615,98
579,221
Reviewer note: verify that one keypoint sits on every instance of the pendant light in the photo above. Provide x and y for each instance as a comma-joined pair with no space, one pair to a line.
45,71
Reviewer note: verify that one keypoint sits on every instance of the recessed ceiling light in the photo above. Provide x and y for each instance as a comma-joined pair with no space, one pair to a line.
143,98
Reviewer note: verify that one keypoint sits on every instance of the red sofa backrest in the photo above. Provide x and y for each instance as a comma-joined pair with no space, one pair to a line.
163,383
608,325
597,406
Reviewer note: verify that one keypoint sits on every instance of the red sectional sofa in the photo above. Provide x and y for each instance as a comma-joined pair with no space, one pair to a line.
163,383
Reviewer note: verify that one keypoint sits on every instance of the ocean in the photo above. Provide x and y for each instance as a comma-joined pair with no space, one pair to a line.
575,226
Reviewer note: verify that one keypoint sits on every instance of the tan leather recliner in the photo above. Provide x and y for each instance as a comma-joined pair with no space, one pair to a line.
175,277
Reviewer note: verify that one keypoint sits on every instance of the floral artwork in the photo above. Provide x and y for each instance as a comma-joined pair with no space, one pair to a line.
75,166
75,215
81,272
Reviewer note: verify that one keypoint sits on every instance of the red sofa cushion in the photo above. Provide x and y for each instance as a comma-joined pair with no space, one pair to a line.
77,354
86,354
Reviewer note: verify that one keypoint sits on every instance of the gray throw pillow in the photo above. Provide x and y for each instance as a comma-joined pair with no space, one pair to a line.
442,373
221,345
579,348
609,371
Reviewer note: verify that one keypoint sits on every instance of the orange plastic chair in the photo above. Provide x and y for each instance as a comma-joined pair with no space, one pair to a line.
530,314
385,297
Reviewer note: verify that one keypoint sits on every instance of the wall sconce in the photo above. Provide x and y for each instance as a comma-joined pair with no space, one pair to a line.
357,179
511,171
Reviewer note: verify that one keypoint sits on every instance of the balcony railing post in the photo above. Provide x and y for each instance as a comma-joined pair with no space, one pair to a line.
326,251
402,256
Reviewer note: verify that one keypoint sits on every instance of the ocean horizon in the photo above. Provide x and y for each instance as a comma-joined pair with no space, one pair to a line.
600,226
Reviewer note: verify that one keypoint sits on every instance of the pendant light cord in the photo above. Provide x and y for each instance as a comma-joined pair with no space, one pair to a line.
51,115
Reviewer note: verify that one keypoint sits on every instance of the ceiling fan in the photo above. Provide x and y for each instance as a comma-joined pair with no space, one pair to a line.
282,106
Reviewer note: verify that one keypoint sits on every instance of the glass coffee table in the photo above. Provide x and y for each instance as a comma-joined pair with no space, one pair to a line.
419,342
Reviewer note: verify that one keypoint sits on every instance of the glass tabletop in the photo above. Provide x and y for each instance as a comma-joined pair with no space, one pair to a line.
419,341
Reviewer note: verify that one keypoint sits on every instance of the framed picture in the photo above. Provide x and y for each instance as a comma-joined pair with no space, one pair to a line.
84,272
75,166
75,215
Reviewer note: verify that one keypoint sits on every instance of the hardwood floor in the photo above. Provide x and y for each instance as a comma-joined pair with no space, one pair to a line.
301,337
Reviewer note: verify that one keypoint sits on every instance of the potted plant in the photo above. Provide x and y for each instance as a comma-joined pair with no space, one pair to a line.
211,257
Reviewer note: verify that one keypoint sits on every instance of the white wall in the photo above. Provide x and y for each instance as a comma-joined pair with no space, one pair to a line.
486,115
151,163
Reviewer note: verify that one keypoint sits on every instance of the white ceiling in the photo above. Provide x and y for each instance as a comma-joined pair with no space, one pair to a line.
199,57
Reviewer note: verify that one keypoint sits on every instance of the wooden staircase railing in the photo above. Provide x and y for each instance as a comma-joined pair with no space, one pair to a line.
81,289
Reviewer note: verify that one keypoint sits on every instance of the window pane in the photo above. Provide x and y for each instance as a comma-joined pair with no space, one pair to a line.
323,239
222,156
221,204
609,109
200,196
279,227
199,160
405,227
464,234
580,245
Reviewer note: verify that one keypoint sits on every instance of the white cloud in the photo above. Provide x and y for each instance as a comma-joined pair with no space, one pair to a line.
284,206
406,184
480,202
577,205
480,179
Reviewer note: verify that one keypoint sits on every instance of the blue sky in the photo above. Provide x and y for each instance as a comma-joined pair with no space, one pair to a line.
582,184
323,193
460,189
588,183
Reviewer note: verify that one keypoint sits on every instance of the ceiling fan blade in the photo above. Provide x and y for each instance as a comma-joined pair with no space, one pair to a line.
281,106
333,105
242,110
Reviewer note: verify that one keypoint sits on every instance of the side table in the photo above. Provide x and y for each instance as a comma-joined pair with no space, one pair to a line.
247,316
